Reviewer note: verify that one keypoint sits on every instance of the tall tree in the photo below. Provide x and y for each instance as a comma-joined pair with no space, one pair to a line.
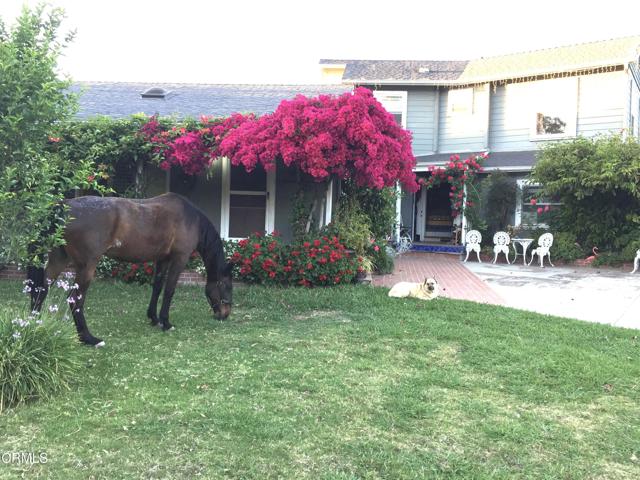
33,102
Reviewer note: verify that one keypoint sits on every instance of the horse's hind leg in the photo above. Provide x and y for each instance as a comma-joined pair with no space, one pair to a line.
42,278
158,281
84,275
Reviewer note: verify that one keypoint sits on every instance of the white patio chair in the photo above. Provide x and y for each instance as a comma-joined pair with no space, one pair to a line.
636,262
544,244
472,243
501,241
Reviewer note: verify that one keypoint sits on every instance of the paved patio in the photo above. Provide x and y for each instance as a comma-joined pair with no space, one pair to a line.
591,294
455,280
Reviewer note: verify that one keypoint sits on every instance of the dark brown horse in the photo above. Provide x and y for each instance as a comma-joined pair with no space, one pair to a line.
164,229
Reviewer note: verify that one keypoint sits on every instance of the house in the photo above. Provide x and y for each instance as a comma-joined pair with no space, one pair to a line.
236,202
507,105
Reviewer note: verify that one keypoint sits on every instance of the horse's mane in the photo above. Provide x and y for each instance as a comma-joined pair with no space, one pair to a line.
210,248
210,245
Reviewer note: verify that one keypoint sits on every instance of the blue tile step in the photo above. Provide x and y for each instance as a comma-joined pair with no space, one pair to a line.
453,249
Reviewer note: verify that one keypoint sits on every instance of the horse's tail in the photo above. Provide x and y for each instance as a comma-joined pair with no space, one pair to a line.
36,284
37,281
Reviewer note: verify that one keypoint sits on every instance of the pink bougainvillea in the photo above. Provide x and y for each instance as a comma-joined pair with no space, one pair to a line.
349,136
456,173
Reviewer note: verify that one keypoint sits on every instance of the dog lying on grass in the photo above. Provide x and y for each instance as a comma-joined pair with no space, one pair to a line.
427,290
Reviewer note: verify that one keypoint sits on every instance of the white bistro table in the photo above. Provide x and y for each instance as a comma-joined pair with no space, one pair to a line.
524,243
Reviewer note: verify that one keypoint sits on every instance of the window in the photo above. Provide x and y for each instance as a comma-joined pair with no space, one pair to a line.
394,102
554,108
248,201
532,209
460,100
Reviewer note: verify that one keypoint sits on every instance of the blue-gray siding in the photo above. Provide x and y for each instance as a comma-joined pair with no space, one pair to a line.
464,132
420,119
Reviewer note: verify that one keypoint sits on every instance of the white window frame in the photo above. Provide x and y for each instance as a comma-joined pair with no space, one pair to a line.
270,194
568,112
393,101
461,96
522,183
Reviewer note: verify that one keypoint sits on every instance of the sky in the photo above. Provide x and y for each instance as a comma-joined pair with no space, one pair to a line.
282,41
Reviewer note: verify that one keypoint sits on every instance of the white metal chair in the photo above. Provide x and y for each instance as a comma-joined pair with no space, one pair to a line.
636,262
501,241
472,243
544,245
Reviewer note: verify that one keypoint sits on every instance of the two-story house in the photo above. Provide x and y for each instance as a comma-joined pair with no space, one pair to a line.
506,105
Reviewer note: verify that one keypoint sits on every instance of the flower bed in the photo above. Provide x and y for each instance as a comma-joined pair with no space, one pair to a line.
319,262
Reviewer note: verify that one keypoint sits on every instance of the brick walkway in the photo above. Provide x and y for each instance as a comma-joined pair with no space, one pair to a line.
455,280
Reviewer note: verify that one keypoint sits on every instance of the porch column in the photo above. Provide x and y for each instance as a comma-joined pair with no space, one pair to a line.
398,212
463,227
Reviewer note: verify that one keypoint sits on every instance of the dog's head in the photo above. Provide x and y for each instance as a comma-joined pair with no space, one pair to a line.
431,284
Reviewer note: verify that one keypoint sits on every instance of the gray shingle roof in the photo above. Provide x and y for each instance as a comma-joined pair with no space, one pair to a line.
409,70
566,59
115,99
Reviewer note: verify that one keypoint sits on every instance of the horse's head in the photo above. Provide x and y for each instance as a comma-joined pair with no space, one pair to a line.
219,293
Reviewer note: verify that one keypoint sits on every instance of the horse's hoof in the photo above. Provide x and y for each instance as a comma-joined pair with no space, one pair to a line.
169,328
100,344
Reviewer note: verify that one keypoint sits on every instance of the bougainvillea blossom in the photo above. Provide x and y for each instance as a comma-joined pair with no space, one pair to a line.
457,173
349,136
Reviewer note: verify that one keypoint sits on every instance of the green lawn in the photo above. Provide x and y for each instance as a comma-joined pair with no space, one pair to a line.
336,384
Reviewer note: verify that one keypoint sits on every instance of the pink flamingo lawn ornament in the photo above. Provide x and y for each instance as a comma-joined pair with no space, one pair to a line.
585,262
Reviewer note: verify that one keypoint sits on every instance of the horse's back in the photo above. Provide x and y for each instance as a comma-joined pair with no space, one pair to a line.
130,229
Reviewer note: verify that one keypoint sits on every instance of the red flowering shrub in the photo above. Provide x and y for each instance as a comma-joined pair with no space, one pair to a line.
259,259
349,136
456,173
264,259
322,261
192,147
141,273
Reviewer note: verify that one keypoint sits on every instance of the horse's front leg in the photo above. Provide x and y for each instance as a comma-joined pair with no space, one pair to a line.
175,268
158,281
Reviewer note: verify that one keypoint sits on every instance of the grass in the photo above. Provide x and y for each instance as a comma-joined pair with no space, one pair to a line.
336,384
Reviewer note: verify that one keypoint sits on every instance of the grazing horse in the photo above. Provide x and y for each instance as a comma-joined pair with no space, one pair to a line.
164,229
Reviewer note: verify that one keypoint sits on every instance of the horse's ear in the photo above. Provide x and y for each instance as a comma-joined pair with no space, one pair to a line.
226,271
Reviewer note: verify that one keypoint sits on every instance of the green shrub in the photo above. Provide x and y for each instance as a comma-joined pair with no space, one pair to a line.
612,259
565,247
379,206
596,180
382,257
351,225
40,355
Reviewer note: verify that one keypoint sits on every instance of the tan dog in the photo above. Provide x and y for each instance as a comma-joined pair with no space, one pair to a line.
427,290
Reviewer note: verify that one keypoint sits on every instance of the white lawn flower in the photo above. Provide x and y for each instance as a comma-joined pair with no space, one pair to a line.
39,322
26,289
27,282
49,281
53,308
16,335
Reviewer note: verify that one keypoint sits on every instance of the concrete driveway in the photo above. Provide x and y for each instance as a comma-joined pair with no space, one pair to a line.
591,294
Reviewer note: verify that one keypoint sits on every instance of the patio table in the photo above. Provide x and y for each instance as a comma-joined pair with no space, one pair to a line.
524,243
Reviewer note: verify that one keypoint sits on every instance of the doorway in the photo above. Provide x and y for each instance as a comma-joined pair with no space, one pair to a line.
433,215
